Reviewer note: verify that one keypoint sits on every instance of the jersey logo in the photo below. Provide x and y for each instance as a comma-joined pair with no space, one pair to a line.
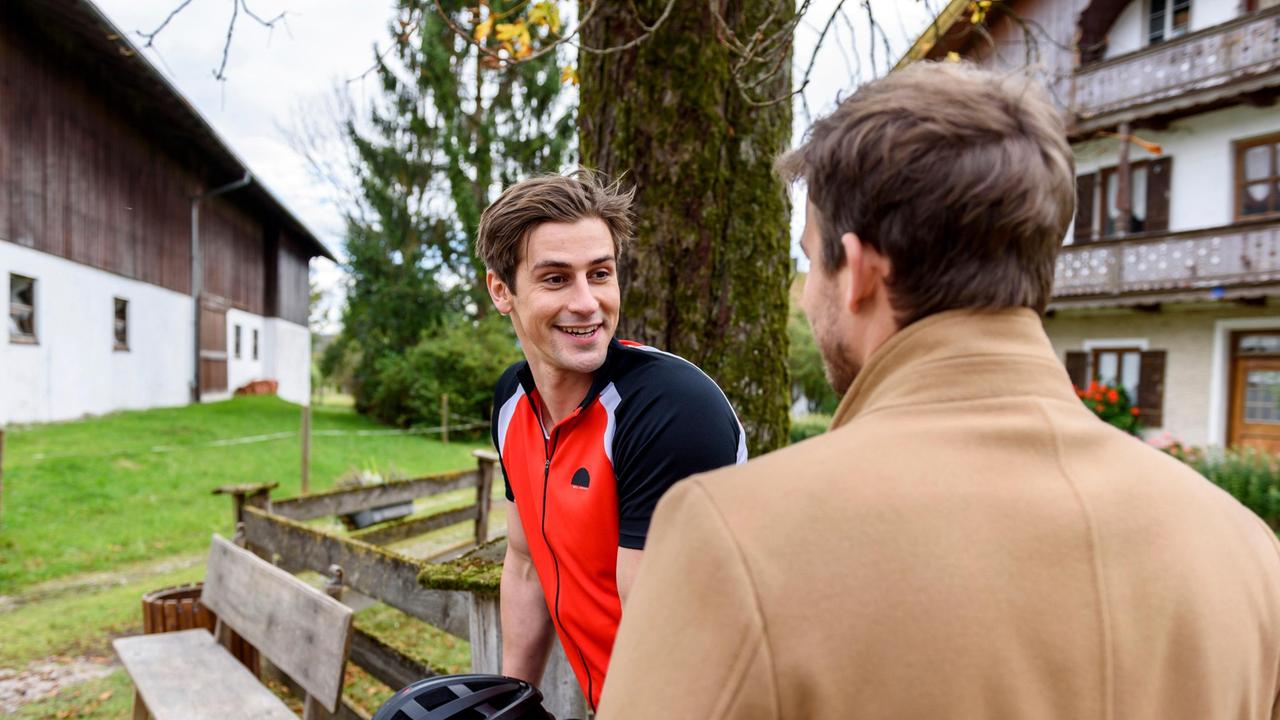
581,478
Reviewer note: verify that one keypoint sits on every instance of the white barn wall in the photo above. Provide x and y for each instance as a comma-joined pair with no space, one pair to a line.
74,370
244,369
288,359
284,355
1202,184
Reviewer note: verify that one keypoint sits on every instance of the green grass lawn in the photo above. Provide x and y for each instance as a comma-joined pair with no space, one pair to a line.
105,492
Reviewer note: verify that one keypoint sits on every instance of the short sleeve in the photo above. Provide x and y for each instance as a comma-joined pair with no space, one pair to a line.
507,385
676,423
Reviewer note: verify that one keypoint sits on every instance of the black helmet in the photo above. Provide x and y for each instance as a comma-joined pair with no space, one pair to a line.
465,697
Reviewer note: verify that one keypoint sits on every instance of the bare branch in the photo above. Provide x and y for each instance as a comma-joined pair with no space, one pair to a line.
226,48
151,36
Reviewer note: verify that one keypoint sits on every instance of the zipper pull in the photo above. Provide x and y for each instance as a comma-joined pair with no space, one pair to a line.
547,467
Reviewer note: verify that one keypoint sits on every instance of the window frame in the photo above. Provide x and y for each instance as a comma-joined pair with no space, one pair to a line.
118,344
1098,204
236,333
1241,147
1167,27
255,343
32,338
1120,351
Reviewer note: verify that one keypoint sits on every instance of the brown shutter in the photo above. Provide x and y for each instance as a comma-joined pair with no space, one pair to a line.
1151,388
1158,176
1084,207
1078,368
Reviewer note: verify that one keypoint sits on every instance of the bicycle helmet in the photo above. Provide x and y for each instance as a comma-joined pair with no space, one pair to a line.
465,697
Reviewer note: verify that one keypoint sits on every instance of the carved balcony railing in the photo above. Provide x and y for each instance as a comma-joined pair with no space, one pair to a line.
1236,57
1223,258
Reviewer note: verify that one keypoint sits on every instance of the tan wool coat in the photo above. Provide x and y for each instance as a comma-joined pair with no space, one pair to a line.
968,541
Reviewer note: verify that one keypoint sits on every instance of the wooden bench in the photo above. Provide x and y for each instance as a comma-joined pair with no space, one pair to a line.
189,674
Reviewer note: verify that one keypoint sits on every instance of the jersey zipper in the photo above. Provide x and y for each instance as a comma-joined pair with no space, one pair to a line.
549,443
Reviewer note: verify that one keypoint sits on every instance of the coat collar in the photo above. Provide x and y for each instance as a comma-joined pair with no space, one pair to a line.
959,355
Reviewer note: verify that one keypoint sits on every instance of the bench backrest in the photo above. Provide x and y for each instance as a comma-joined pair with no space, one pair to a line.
304,632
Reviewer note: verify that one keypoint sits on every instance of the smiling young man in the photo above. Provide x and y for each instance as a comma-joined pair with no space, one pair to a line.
591,431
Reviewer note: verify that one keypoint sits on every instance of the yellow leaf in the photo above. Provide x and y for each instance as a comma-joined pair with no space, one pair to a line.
569,74
483,30
105,696
545,13
509,31
953,56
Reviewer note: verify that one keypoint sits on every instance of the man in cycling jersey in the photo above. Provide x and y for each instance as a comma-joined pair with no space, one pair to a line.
591,430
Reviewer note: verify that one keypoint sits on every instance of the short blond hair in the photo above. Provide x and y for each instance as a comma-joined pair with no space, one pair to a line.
505,225
961,177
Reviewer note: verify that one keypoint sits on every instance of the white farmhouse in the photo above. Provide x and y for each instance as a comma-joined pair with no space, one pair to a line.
1167,284
110,185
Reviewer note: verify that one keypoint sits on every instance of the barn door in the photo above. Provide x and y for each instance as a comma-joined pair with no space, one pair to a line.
213,345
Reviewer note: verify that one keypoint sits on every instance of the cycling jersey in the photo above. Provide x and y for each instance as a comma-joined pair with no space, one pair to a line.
590,484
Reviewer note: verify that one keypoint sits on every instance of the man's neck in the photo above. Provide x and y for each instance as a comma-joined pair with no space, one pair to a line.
561,392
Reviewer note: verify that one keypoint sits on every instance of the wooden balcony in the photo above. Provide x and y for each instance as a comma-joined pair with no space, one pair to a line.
1235,58
1214,263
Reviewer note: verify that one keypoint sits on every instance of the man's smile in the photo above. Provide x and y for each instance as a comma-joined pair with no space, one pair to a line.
580,331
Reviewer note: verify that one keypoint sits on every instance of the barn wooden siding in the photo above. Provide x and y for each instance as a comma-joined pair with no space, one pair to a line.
82,178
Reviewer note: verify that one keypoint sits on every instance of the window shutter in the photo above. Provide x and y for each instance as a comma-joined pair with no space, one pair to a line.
1084,207
1078,368
1151,388
1158,176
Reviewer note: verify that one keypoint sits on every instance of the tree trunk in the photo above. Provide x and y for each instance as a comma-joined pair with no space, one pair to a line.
707,277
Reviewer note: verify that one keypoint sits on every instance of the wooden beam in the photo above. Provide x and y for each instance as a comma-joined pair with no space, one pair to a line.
368,569
484,493
342,502
403,529
385,663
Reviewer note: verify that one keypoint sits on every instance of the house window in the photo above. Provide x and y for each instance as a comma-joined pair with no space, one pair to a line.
1098,200
1140,372
122,324
255,344
1258,177
236,344
1167,19
22,309
1118,367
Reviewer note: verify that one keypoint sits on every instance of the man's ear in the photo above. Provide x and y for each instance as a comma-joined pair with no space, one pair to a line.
867,270
499,292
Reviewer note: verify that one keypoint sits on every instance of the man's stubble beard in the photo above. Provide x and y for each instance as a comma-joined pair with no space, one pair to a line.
841,369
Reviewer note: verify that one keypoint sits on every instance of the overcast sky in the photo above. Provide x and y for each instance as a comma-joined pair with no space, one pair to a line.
274,74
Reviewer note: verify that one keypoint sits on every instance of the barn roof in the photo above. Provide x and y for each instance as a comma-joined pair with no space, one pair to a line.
83,38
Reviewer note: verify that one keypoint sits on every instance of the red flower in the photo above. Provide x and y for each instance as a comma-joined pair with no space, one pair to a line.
1098,407
1113,396
1135,411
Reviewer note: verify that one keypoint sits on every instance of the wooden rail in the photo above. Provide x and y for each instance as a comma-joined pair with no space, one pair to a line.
459,597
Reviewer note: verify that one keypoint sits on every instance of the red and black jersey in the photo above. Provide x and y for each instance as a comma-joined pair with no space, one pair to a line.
590,484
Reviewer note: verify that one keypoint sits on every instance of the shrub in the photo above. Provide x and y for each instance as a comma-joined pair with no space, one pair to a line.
803,428
1112,404
464,359
1252,477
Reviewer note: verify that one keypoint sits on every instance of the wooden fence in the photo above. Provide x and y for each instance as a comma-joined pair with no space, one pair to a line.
456,592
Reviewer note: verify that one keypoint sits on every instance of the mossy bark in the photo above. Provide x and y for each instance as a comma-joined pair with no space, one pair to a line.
707,277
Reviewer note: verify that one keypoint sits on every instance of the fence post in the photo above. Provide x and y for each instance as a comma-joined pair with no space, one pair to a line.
444,418
306,449
486,460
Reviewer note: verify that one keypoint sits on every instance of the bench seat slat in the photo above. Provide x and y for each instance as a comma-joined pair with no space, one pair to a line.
187,674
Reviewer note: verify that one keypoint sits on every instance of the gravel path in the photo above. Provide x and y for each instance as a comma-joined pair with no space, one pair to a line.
47,677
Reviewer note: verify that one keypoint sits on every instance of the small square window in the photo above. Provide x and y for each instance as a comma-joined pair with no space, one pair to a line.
255,344
22,309
237,342
122,324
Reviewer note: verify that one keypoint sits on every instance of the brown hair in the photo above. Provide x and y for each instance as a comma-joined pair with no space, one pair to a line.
961,177
505,225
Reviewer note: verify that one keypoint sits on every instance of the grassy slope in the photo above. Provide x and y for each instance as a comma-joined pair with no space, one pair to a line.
94,495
